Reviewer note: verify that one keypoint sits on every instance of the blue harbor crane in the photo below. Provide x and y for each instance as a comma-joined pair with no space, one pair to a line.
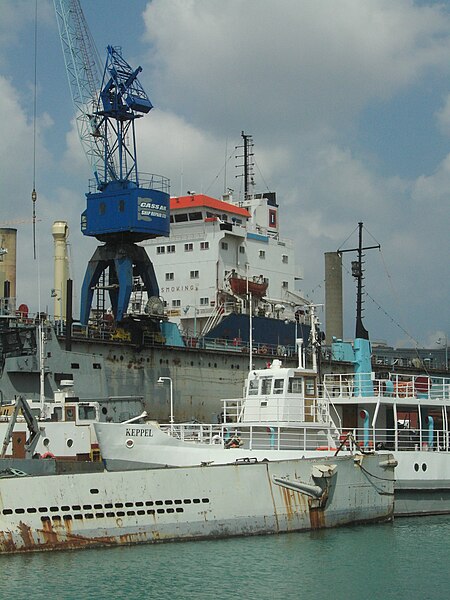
122,207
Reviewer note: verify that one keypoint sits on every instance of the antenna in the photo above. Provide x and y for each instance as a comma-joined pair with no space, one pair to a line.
33,193
358,273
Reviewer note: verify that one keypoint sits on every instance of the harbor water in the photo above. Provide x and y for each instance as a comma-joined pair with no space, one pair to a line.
406,559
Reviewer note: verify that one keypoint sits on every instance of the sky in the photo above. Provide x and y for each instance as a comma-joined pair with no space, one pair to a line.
348,104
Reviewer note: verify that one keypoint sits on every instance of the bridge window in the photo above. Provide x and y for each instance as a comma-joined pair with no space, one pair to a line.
295,385
253,387
278,386
266,384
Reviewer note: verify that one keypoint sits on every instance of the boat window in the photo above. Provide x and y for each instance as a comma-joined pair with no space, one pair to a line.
295,385
181,218
57,413
278,386
253,387
70,413
266,384
195,216
86,413
310,386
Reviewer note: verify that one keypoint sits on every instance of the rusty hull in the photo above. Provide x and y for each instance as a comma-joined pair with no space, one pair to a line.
71,511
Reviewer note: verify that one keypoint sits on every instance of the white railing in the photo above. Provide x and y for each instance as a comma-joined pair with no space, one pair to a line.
421,387
398,440
256,437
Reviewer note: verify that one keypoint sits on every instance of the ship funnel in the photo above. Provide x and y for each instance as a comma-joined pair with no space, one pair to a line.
60,233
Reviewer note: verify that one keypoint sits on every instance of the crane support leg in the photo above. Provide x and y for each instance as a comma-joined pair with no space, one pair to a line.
122,260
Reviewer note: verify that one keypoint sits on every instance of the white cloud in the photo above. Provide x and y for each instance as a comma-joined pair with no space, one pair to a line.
302,65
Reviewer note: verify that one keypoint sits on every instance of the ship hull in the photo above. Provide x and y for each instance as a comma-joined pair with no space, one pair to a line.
107,369
53,512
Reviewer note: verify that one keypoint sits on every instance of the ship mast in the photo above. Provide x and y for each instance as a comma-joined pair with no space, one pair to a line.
362,350
358,273
248,165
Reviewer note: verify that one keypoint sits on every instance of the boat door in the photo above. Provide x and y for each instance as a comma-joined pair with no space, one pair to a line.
349,417
310,395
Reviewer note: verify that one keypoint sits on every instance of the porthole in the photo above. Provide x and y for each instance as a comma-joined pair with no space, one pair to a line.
416,467
424,467
46,441
104,410
129,443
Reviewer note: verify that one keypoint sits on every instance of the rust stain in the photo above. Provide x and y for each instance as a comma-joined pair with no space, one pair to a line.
26,535
317,518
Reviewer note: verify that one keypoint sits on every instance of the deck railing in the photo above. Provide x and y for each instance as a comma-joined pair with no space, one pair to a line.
255,437
338,387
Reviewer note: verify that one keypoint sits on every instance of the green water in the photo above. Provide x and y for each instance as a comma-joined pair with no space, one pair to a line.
404,560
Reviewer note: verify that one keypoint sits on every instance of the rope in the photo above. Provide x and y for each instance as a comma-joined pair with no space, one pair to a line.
33,193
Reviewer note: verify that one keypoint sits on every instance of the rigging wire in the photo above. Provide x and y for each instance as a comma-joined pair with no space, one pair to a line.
262,177
33,193
390,317
220,172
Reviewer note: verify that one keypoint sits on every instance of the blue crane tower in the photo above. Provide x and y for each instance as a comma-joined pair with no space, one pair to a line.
122,207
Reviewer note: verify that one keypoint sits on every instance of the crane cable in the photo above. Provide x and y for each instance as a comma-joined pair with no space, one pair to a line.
33,193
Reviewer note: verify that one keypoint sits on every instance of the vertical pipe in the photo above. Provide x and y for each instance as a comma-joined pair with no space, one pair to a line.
365,415
69,315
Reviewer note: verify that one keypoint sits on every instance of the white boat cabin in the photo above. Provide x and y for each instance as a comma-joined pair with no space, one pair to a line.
282,395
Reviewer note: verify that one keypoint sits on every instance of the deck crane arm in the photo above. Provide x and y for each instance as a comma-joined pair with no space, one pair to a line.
84,73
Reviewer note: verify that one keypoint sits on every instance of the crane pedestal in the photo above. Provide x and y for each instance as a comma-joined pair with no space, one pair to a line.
124,260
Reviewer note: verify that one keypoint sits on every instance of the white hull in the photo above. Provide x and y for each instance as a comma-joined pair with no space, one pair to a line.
105,509
422,479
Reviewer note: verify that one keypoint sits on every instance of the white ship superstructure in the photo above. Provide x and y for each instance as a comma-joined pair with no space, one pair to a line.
214,241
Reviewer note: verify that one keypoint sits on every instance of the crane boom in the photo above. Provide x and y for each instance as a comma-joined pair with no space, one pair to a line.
84,73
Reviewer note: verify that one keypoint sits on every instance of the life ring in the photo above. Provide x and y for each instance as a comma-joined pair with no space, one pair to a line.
47,455
216,439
